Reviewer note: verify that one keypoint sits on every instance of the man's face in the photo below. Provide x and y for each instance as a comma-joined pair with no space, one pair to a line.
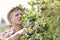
16,16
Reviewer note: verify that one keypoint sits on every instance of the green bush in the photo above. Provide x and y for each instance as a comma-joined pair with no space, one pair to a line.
44,16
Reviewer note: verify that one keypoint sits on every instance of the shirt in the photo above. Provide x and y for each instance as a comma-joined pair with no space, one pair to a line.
7,34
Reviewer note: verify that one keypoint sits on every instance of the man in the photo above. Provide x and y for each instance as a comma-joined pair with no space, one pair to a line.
14,17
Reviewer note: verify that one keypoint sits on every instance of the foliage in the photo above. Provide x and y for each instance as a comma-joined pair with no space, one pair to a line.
44,16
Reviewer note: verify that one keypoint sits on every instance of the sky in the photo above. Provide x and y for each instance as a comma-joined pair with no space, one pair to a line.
7,5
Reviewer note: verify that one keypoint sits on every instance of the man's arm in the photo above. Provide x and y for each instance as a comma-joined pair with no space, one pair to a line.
17,35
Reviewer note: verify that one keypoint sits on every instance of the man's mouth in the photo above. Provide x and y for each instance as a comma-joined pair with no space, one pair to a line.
20,19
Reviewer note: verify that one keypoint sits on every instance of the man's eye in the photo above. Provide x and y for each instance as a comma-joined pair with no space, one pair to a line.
21,14
16,14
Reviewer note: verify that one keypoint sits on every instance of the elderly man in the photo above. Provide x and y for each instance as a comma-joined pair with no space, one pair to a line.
14,17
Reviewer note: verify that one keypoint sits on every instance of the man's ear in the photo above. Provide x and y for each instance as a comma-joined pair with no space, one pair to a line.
10,20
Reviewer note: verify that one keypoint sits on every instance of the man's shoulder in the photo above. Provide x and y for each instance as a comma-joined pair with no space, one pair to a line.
7,33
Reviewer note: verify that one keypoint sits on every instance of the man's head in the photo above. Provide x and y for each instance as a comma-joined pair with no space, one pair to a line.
14,16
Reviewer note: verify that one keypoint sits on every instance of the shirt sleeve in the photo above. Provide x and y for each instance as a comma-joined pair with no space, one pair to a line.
4,36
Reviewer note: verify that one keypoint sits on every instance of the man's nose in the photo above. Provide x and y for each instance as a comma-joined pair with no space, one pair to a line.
20,16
